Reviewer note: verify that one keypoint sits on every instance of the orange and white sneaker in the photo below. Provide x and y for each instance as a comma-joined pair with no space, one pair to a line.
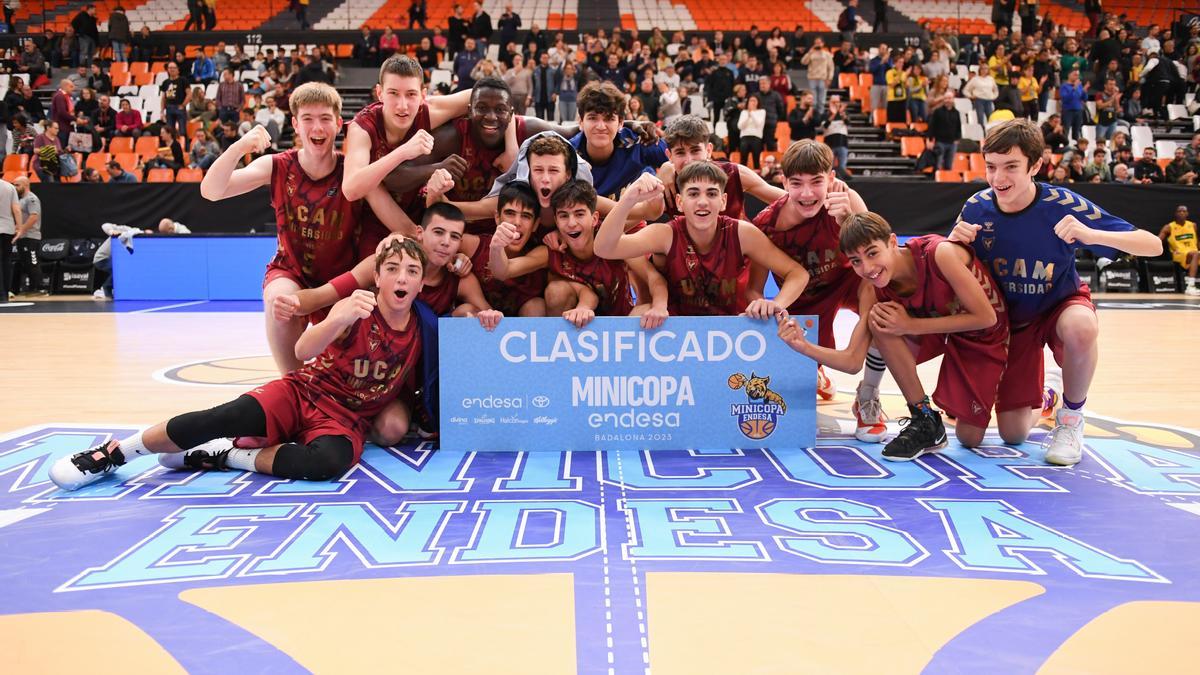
1050,402
870,422
825,388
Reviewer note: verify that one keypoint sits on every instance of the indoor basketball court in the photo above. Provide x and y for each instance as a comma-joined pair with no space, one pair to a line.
773,560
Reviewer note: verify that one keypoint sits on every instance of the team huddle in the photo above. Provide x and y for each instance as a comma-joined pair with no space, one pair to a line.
455,206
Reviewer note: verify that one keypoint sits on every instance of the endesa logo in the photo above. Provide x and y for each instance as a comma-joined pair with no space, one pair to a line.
494,403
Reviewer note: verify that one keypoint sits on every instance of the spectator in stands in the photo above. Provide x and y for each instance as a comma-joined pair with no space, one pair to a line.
781,83
204,69
973,54
173,95
916,86
98,79
417,14
32,106
47,150
140,48
635,111
117,174
389,43
129,121
508,23
546,82
718,86
366,49
465,62
519,79
118,32
1121,175
837,134
88,32
481,25
1060,175
31,62
62,109
1071,95
210,14
195,15
170,152
847,21
272,118
774,109
228,135
23,133
820,72
301,9
1028,11
945,127
1132,108
104,121
79,77
1053,133
246,123
897,92
231,96
1181,171
647,98
1157,80
1108,107
1120,140
670,105
1106,49
204,150
1074,167
751,124
1123,155
1002,14
457,30
1147,170
15,96
1097,170
804,120
1029,88
196,104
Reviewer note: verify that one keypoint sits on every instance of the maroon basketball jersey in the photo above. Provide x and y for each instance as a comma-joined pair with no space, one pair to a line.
735,202
359,373
704,284
440,298
317,225
608,278
935,296
813,244
370,119
506,296
481,173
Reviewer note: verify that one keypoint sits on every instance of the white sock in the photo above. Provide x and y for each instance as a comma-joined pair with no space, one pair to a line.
1190,282
875,369
133,446
242,459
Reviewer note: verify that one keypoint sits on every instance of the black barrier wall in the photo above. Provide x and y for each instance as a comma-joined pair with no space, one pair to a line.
76,211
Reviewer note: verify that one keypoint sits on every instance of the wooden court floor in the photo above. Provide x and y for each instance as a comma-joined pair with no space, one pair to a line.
100,366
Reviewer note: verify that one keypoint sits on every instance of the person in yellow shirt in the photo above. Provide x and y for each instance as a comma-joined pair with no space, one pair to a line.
1029,87
917,87
1180,237
897,92
1000,66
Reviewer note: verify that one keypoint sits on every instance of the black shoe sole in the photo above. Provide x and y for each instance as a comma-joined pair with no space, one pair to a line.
938,446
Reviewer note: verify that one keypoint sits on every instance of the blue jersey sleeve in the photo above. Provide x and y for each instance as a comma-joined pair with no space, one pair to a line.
1061,202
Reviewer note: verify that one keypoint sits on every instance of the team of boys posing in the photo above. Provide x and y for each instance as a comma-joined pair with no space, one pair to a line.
510,223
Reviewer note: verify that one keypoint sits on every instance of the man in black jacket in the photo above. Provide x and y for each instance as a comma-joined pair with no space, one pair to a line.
718,86
88,34
945,127
481,26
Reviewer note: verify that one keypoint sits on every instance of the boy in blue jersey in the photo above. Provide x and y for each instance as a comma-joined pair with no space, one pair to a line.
1027,233
615,153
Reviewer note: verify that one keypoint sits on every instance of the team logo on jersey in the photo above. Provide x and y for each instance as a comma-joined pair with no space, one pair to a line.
758,417
331,192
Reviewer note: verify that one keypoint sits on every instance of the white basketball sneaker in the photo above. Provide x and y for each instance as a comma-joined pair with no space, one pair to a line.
1064,445
84,468
870,422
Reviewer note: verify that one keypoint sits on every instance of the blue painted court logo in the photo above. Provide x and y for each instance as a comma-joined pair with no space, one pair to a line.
758,417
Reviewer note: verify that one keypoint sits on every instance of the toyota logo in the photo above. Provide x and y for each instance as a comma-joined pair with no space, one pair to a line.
540,401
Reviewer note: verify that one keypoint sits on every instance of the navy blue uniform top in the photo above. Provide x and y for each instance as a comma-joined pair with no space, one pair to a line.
1033,267
629,160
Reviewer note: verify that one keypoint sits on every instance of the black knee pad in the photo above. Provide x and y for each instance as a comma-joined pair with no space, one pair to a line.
325,458
242,416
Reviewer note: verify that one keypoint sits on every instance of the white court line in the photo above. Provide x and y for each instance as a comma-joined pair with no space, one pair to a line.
178,304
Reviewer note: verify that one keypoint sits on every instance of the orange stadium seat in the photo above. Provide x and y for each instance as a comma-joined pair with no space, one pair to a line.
16,162
912,146
977,165
120,144
97,161
943,176
136,67
187,175
10,176
127,160
160,176
146,146
961,163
